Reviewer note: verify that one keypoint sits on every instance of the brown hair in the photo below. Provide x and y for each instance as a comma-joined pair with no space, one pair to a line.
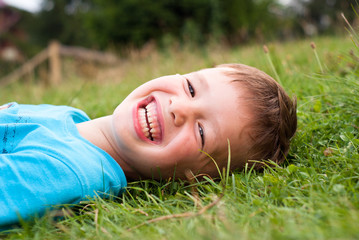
274,120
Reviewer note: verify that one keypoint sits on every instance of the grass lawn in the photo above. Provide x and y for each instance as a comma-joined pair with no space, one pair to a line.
314,195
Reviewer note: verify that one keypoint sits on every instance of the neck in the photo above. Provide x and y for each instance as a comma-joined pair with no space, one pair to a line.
99,132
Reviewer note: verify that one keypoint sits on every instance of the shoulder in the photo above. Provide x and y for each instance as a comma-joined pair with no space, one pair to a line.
48,130
33,181
54,111
11,112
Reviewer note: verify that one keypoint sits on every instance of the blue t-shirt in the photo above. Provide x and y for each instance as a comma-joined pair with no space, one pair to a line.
44,161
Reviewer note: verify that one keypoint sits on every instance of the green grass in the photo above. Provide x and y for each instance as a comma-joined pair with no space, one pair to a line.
315,195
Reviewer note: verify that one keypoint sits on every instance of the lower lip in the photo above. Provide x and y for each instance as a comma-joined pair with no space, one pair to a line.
137,124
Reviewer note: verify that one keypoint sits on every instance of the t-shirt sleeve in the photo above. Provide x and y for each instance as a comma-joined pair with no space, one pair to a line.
32,182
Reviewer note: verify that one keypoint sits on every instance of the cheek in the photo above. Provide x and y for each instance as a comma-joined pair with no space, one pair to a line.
149,86
185,149
177,152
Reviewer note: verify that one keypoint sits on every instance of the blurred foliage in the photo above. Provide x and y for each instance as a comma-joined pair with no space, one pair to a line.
119,24
313,17
100,24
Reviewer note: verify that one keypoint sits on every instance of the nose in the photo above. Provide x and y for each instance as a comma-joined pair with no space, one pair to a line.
182,110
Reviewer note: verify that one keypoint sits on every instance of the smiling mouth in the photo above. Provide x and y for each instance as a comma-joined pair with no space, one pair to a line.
149,123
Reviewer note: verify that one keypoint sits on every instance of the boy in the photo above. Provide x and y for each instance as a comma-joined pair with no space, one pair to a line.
56,155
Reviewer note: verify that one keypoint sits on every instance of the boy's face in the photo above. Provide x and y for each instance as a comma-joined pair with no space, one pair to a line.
162,125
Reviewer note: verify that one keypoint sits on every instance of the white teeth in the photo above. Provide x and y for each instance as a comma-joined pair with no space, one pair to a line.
153,124
142,118
150,126
142,114
151,105
145,131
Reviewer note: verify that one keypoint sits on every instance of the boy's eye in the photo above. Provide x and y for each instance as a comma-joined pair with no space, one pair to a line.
201,133
190,88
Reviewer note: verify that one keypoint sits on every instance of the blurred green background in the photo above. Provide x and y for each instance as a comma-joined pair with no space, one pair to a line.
119,25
